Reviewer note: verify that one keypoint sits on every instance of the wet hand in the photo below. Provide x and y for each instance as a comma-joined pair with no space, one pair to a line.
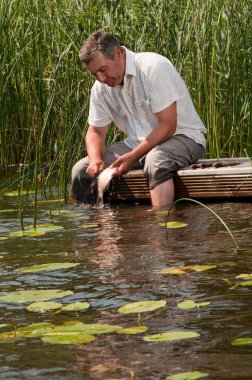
123,164
95,168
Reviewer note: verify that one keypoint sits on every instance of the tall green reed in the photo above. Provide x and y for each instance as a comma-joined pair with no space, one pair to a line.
44,90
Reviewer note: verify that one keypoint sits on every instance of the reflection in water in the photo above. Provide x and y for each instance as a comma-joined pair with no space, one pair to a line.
118,259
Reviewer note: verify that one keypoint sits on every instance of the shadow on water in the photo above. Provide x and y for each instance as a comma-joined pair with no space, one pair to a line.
119,250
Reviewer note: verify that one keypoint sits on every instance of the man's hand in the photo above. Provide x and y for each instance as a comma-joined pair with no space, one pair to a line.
95,143
124,164
94,168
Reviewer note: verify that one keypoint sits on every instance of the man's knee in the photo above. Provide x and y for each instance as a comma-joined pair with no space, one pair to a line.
81,182
79,169
157,170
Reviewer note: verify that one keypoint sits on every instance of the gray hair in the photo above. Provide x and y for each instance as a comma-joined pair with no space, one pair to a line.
101,41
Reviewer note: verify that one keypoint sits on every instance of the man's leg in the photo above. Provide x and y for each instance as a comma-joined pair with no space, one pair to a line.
162,195
163,161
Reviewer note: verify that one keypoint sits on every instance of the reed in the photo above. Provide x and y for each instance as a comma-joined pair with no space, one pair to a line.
44,90
237,247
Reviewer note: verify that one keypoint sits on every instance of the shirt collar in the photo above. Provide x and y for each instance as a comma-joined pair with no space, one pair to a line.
130,62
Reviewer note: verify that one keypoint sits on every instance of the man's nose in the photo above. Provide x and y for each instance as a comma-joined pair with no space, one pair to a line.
101,77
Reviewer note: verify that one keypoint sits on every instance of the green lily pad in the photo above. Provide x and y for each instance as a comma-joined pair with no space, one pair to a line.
246,283
8,210
194,375
41,229
46,227
246,276
133,330
4,238
88,225
171,336
34,295
44,306
189,304
47,267
141,307
202,304
73,215
67,338
66,213
92,329
27,233
76,306
164,212
51,200
200,268
241,341
174,224
16,193
36,329
171,271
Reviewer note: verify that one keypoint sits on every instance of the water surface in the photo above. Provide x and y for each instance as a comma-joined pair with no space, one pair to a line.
118,259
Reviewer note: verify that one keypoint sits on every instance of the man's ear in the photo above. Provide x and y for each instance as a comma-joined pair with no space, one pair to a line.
119,51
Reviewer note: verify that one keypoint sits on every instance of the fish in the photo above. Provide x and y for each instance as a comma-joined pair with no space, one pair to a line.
103,181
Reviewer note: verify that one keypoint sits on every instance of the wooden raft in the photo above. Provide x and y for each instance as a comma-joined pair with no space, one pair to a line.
225,178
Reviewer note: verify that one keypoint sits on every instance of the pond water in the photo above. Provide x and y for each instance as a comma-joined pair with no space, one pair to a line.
119,249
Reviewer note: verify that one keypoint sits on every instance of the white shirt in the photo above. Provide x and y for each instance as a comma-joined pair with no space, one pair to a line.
151,84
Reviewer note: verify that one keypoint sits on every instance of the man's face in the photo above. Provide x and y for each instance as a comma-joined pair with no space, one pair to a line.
108,71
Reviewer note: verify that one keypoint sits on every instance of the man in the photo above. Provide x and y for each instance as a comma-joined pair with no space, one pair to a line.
145,97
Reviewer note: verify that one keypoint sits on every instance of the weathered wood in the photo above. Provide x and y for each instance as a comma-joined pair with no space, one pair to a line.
229,181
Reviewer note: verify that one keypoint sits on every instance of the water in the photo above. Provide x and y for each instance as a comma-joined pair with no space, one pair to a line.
118,259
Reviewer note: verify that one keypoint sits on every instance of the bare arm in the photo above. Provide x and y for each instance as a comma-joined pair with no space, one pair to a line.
95,143
167,122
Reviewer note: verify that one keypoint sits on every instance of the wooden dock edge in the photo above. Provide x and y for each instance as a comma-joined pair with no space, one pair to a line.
233,181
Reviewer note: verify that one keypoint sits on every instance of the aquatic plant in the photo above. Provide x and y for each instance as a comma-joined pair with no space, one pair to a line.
44,90
210,210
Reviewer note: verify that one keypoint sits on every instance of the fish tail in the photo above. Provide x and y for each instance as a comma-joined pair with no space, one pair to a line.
99,202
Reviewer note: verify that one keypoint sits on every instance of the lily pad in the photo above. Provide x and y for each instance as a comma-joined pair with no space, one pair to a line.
133,330
163,212
88,225
73,215
171,336
241,341
194,375
47,267
200,268
67,338
51,200
41,229
171,271
27,233
34,295
246,283
141,307
44,306
17,192
4,238
92,329
36,329
245,276
174,224
189,304
76,306
8,210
